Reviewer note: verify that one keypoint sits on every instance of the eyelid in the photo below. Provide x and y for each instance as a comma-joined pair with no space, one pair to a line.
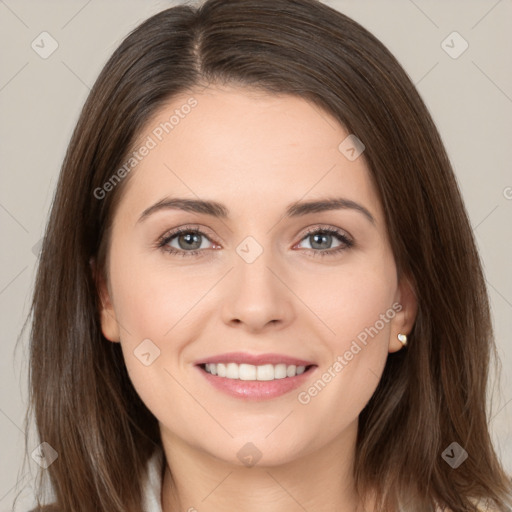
202,230
323,227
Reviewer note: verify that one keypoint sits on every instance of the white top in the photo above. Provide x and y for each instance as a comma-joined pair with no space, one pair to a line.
153,484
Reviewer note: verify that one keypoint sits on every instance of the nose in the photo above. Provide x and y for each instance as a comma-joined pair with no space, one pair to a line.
257,297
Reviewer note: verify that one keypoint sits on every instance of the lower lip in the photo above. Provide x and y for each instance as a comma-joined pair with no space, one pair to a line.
256,389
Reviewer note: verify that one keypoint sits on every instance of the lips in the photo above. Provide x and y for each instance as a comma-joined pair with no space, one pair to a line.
255,377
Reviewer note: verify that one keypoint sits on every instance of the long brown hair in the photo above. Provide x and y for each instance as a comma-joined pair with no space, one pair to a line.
431,394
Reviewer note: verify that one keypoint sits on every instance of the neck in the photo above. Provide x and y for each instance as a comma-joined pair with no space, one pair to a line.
322,480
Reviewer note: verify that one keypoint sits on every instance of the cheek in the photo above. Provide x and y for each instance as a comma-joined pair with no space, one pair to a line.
358,307
156,307
151,299
356,301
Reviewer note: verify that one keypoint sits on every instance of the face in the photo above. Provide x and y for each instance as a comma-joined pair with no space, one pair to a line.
294,309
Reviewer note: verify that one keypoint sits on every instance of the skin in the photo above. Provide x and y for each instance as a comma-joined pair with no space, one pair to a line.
255,153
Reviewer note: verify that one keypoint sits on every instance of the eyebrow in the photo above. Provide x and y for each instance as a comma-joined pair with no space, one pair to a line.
218,210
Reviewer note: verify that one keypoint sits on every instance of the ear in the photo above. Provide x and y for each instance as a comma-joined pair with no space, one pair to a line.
109,324
406,307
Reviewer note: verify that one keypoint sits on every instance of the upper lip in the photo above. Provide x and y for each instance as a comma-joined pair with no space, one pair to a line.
254,359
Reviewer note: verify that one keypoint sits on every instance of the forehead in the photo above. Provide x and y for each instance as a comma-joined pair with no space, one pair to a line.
245,148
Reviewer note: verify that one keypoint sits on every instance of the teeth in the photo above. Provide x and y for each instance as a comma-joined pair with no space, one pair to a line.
221,369
265,372
247,372
279,371
232,371
251,372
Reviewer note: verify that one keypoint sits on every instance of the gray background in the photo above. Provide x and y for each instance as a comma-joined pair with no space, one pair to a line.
470,98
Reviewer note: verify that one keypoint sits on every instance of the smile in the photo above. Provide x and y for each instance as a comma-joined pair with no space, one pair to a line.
250,372
255,377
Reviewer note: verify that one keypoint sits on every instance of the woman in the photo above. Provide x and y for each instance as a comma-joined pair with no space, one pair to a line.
249,370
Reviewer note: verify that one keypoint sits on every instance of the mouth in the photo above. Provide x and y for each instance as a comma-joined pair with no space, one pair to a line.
255,377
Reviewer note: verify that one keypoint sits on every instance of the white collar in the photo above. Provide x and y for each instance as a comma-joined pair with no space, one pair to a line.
152,489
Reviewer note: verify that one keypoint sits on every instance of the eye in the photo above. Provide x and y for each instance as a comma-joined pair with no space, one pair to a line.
188,241
320,238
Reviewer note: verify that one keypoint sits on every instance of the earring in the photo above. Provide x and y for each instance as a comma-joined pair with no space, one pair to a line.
402,338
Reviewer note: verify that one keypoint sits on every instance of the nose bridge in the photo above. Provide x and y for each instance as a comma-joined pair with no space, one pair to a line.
254,259
257,296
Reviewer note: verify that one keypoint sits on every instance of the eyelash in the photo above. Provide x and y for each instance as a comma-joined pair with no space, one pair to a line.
347,243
